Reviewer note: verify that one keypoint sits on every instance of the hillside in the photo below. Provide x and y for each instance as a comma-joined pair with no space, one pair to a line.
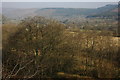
105,11
108,11
47,12
60,43
58,52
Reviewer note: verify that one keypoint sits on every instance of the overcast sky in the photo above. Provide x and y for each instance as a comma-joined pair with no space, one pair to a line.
55,4
59,0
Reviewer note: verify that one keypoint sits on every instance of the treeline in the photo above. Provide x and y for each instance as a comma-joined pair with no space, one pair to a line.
43,48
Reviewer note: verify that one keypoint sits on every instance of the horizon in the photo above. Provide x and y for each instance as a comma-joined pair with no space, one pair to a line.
28,5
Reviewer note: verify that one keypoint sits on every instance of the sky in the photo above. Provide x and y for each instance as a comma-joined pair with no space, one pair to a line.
60,0
55,4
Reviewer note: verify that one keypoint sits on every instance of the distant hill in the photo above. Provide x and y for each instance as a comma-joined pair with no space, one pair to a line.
108,11
47,12
15,13
105,11
68,11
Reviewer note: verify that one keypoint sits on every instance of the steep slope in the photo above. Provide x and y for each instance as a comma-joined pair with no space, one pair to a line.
108,11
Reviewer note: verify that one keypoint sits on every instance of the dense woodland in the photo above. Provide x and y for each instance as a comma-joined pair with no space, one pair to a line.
44,48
